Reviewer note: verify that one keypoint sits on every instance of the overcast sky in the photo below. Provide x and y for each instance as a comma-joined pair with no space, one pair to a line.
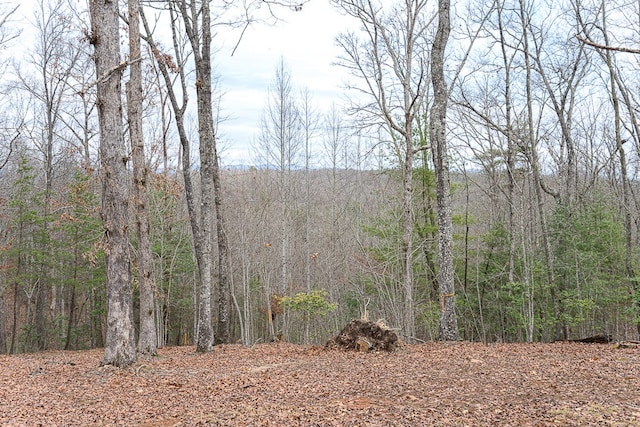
306,41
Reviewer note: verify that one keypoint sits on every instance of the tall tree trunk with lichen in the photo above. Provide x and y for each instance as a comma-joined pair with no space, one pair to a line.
120,349
147,339
448,329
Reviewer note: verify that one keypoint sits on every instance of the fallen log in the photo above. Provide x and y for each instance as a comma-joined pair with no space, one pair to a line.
364,335
627,344
596,339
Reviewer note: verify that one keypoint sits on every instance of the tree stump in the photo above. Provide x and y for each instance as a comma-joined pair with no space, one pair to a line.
363,335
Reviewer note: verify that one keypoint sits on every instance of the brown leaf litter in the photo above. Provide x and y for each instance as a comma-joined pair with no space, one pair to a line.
434,384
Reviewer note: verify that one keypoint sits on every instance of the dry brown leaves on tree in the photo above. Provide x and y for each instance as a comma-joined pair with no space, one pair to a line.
456,384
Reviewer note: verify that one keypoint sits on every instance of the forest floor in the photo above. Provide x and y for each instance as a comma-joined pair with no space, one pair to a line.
435,384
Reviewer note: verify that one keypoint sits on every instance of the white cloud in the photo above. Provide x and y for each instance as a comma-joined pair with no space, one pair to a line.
306,42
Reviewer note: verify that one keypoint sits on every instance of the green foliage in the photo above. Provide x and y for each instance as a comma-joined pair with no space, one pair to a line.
352,304
312,303
492,307
81,259
384,253
589,263
174,264
26,252
514,296
428,319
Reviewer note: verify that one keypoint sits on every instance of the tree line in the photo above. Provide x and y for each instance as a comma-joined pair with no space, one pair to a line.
479,184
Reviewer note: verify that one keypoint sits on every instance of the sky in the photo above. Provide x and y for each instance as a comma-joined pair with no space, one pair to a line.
306,41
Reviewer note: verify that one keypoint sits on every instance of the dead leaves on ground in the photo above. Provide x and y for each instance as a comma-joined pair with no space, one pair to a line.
281,384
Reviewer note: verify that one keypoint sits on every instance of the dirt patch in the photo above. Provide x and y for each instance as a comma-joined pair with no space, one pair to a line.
281,384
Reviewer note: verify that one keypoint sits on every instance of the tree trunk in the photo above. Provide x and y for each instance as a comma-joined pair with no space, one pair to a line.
224,288
200,40
42,287
511,150
624,177
201,239
71,322
407,233
3,335
448,329
561,329
202,59
97,334
120,347
147,339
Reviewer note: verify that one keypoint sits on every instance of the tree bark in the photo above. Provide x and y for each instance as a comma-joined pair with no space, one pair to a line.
3,335
120,340
448,329
200,39
407,230
224,288
72,315
147,339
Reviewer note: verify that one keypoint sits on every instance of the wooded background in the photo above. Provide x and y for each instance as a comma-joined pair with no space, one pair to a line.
544,156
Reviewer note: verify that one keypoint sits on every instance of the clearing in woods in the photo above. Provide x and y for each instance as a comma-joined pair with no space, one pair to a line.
448,384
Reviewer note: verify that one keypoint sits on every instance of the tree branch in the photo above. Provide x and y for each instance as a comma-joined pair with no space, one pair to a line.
121,66
11,144
613,48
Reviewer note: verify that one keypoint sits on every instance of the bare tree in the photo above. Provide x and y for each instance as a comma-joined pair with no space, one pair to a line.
196,19
200,214
309,122
280,145
120,346
529,138
437,125
147,339
511,146
491,133
620,96
169,65
390,61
